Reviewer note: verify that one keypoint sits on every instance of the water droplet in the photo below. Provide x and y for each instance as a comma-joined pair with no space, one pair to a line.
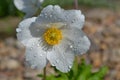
73,20
65,24
38,45
45,14
71,46
33,44
41,55
41,14
50,16
31,48
47,25
18,30
53,64
70,66
57,61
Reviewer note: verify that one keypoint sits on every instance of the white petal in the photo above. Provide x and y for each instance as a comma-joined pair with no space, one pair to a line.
61,57
37,29
79,42
23,32
35,56
55,14
29,7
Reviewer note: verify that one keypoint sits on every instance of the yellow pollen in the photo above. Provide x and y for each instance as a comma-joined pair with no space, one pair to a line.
53,36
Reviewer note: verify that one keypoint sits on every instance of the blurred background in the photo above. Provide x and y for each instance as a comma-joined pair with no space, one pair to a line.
102,27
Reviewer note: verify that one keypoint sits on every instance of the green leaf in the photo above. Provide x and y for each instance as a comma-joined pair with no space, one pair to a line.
94,78
81,77
40,75
101,73
75,68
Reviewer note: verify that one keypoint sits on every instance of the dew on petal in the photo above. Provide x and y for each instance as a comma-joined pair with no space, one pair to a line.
71,46
31,48
38,45
33,44
47,25
41,55
57,61
18,30
53,64
45,14
70,67
72,21
41,14
50,16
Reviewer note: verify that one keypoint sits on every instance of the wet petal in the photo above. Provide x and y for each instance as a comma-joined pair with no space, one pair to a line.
61,57
29,7
37,30
23,32
79,42
35,56
54,14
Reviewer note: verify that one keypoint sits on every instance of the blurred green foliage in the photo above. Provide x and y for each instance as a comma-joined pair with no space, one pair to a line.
90,3
7,7
81,71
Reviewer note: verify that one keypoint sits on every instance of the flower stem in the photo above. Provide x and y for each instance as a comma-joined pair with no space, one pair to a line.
44,74
76,4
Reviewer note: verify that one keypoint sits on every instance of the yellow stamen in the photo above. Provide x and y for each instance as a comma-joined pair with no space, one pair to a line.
53,36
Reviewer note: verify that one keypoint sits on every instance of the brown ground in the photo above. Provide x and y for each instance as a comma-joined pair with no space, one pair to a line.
103,28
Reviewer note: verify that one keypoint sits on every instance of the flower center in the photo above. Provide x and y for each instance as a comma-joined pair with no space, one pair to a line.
53,36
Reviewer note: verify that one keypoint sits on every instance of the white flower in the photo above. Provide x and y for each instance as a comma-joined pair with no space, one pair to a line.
30,7
54,36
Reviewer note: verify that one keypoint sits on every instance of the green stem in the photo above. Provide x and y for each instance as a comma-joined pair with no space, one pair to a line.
44,74
76,4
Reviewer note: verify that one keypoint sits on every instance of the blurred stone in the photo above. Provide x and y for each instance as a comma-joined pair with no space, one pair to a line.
105,16
103,46
10,42
19,45
105,57
14,43
118,67
115,55
117,75
96,59
16,78
9,64
29,73
118,22
3,77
